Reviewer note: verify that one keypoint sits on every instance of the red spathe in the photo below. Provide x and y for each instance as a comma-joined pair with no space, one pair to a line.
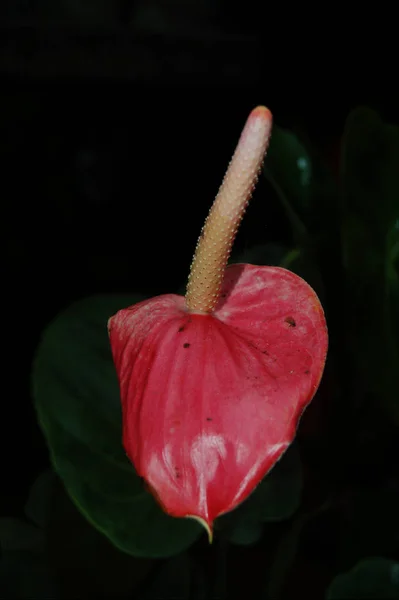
210,402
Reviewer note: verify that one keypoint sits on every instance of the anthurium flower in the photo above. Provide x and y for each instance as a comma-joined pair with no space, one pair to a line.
213,384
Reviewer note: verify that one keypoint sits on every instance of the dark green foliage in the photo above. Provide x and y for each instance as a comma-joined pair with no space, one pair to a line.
330,505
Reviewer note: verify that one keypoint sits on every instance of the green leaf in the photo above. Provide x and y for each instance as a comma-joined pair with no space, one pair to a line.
279,494
77,400
376,578
309,194
370,177
288,168
275,499
85,563
245,533
289,164
370,238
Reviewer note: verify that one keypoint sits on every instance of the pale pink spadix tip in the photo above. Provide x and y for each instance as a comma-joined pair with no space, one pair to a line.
220,228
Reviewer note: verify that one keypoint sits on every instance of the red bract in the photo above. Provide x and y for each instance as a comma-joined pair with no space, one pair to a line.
213,385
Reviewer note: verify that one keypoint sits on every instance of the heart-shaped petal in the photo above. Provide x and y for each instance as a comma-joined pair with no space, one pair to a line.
213,384
211,401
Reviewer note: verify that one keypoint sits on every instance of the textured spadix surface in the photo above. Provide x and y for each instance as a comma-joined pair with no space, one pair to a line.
217,236
213,384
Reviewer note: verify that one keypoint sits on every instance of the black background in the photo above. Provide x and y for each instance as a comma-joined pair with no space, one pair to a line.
109,167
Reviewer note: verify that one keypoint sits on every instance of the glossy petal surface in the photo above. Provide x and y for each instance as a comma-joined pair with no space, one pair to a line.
211,402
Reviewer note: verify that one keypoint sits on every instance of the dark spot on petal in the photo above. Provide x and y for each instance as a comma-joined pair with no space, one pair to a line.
307,372
265,352
186,345
181,328
208,419
223,295
290,321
